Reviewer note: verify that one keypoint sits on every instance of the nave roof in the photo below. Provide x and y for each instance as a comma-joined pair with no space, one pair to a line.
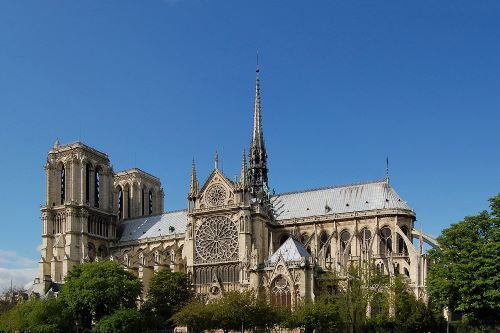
338,199
154,226
367,196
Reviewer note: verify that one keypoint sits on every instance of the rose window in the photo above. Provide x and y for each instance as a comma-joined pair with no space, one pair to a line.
216,195
216,240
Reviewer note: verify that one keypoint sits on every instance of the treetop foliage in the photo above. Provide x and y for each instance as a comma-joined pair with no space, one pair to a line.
94,290
168,292
465,270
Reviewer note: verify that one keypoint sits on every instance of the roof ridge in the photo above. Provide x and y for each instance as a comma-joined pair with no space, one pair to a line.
129,170
148,216
175,211
331,187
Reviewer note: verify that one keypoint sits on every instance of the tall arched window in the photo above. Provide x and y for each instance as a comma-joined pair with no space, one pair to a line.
366,237
280,292
345,247
97,181
87,182
323,239
63,184
120,203
150,199
401,242
385,245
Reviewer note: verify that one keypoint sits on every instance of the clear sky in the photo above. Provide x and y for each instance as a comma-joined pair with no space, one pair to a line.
344,84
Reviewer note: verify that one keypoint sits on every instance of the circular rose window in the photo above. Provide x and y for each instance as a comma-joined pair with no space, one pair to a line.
216,195
216,240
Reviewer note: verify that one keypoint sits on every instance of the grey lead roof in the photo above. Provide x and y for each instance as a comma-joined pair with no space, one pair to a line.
290,250
340,199
154,226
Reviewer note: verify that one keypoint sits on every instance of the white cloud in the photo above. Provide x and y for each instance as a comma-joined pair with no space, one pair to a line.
18,269
19,277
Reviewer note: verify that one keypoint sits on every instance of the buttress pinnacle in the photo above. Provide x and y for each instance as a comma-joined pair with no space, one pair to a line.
193,185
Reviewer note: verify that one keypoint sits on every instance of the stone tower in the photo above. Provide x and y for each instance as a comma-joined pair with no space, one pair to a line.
137,193
78,218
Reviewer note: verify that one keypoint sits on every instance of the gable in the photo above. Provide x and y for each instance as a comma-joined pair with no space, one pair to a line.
217,191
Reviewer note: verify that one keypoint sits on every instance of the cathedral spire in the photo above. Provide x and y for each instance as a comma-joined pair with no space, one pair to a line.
193,186
216,160
258,155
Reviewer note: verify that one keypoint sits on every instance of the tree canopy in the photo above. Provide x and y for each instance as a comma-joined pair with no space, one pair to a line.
168,292
94,290
121,321
464,275
37,316
233,311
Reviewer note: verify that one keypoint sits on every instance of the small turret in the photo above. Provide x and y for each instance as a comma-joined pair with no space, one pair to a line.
193,185
244,172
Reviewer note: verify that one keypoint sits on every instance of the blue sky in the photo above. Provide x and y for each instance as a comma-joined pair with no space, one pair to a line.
344,84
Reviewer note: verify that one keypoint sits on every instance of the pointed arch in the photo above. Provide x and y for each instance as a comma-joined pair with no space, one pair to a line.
345,244
366,236
281,292
385,244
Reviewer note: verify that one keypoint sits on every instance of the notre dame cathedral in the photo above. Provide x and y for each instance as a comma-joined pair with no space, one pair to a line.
233,235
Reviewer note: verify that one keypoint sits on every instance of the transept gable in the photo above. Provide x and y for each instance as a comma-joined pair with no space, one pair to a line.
218,190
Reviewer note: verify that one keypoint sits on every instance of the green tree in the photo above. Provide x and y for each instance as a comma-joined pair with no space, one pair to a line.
234,310
37,316
464,275
362,283
168,292
319,315
196,315
121,321
95,290
411,314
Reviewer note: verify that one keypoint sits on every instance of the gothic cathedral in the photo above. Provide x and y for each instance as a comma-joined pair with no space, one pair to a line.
234,234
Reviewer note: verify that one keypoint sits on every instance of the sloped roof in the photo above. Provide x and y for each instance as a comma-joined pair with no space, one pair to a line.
291,250
154,226
339,199
330,200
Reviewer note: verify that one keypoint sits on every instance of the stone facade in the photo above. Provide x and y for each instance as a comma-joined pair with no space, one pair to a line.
234,234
